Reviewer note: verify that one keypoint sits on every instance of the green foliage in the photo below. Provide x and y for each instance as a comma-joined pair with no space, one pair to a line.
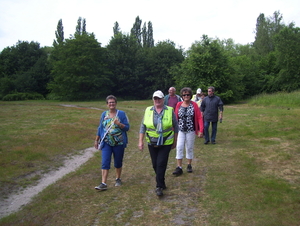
23,96
206,65
59,34
79,69
24,68
287,45
126,62
161,59
131,66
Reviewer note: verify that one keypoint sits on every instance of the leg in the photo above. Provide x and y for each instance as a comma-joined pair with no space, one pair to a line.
190,141
104,175
153,154
161,167
206,133
214,126
180,147
118,152
106,159
179,152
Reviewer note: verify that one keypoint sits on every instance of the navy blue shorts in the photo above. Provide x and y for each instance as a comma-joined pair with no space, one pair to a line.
116,151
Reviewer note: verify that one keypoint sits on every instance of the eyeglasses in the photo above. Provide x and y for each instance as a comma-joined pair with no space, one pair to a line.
185,95
157,98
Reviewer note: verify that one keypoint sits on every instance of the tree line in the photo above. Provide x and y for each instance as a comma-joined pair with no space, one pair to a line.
131,66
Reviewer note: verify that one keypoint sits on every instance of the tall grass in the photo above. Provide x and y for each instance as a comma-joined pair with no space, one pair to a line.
280,99
250,177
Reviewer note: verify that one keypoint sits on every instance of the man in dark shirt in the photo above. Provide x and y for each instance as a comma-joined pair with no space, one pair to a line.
210,107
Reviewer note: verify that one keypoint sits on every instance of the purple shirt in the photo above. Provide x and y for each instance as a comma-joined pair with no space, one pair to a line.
173,101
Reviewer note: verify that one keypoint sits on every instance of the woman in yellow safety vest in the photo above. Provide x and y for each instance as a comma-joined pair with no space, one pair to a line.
160,127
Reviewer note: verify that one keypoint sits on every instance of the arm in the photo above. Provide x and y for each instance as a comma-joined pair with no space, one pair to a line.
141,141
124,122
142,135
199,120
220,109
100,128
175,128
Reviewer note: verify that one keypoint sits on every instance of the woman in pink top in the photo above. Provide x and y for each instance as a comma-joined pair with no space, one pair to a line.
190,123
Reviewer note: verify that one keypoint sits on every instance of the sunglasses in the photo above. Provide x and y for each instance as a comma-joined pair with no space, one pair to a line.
185,95
157,98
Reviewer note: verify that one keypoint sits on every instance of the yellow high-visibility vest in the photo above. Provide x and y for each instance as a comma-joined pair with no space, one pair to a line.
151,133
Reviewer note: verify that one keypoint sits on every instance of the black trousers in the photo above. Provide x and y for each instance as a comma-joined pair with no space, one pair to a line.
159,157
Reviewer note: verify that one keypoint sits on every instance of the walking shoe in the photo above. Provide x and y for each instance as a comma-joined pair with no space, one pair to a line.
213,142
159,191
178,171
101,187
189,168
206,142
118,182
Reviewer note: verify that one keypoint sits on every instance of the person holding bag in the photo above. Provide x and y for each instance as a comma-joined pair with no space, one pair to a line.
112,139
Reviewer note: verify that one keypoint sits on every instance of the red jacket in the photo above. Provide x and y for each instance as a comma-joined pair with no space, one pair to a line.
198,119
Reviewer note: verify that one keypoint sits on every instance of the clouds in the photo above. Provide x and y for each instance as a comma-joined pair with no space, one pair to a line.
180,21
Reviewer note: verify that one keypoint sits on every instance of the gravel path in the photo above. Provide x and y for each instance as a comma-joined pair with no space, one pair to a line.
15,202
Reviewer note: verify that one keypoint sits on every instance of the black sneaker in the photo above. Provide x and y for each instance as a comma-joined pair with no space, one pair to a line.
159,191
206,142
101,187
178,171
189,168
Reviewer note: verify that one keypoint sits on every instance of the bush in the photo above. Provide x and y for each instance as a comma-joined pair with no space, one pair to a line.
23,96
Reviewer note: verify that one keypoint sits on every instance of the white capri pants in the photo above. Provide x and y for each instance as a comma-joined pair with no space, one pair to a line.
187,140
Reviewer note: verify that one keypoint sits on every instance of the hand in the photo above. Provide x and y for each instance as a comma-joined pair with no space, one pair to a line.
141,146
200,135
116,121
174,144
96,145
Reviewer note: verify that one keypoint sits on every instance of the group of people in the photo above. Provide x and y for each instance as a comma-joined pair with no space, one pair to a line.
173,121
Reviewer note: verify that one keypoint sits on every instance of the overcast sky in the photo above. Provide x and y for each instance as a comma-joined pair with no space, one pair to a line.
182,22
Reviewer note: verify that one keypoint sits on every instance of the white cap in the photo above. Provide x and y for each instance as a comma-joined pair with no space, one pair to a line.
199,91
158,94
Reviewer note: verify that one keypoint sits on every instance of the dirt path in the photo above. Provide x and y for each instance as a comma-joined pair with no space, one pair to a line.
14,202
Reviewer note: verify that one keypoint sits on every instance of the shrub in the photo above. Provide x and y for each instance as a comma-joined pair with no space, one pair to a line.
23,96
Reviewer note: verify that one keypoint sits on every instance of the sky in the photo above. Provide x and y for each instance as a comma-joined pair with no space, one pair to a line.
182,22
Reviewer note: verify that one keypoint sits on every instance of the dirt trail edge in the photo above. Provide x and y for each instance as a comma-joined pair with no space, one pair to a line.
15,202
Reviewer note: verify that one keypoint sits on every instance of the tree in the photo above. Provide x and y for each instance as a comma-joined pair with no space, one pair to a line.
59,34
287,45
262,41
136,30
116,29
126,61
145,36
78,30
150,35
80,69
160,60
206,65
266,29
24,68
83,26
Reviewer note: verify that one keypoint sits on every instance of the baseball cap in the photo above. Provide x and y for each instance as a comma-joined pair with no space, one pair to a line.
199,90
158,94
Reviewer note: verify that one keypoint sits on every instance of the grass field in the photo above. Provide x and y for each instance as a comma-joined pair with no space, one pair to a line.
250,177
